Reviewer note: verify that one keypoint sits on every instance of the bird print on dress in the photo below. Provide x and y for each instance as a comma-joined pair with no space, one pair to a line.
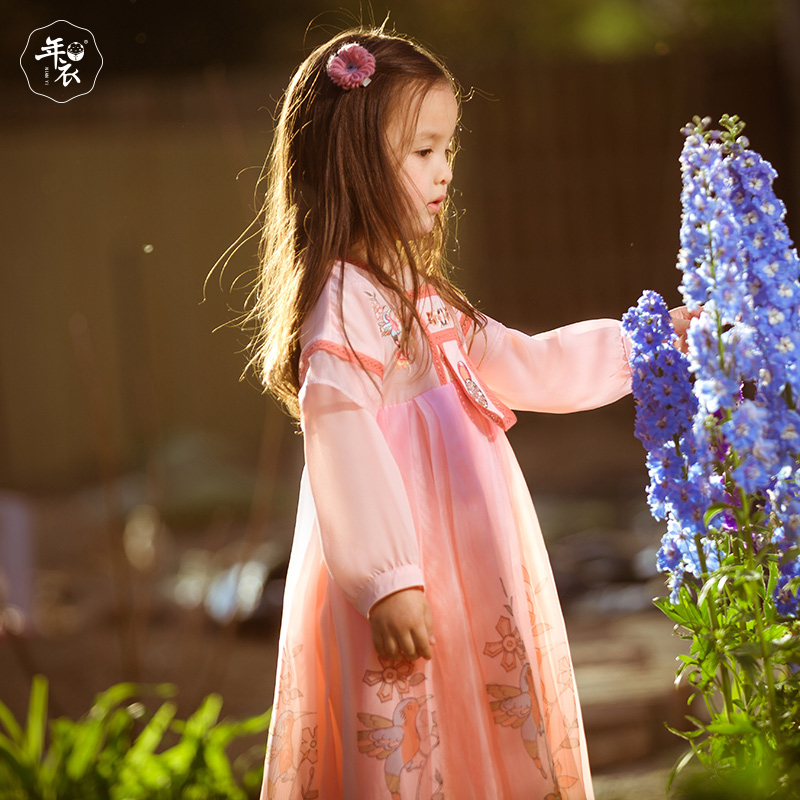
526,706
404,740
281,749
292,751
397,740
518,707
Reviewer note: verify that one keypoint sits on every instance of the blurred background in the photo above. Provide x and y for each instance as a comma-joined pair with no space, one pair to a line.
147,490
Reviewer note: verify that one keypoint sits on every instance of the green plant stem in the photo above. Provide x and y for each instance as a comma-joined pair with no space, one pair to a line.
757,607
714,617
765,656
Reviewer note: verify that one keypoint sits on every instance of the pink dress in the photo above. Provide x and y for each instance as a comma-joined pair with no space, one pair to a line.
410,481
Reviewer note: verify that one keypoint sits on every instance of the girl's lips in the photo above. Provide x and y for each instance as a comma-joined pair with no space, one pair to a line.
435,205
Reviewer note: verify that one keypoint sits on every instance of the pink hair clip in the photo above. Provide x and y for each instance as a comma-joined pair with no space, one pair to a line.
350,66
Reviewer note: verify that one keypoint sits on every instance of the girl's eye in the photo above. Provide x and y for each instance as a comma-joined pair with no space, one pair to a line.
424,153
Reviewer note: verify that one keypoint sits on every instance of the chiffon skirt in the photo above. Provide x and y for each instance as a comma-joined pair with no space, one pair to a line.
494,713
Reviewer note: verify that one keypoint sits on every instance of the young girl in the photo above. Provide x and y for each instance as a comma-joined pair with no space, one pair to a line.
422,651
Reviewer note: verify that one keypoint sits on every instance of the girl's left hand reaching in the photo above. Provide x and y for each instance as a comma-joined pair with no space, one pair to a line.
681,317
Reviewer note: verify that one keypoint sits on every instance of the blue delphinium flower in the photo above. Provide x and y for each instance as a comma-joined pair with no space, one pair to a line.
679,555
723,421
772,267
784,505
665,407
660,373
786,600
750,331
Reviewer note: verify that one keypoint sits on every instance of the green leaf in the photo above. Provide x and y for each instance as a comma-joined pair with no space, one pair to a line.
687,735
224,733
89,741
52,764
204,718
219,766
752,669
149,739
738,724
179,758
696,722
11,725
747,649
18,765
11,747
673,613
698,617
680,764
773,578
107,701
713,510
253,725
710,584
37,719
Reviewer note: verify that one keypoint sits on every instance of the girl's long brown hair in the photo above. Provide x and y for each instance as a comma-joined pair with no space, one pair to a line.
334,191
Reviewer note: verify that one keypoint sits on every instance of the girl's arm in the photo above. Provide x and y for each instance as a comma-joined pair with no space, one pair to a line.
573,368
366,529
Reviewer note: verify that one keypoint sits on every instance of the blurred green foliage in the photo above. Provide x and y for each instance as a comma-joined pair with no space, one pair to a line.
558,29
146,37
601,29
750,782
121,751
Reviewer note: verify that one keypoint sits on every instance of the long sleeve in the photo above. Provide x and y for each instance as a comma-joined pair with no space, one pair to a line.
573,368
367,533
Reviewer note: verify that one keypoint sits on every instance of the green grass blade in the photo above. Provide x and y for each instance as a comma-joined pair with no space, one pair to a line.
204,718
18,766
150,738
9,722
253,724
107,701
37,719
219,766
179,758
11,747
88,741
678,767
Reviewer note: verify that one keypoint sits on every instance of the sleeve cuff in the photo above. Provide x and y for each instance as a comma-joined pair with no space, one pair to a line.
627,346
382,585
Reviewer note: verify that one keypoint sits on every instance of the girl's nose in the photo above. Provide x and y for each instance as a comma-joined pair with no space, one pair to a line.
446,174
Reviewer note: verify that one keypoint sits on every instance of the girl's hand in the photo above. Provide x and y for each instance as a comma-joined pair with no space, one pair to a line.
402,626
681,317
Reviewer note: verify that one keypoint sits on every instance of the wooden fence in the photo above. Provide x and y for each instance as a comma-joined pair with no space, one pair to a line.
118,204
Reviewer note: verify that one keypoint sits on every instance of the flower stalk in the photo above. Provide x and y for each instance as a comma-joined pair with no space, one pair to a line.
722,436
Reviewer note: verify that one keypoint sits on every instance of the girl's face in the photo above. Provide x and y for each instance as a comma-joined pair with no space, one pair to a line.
425,157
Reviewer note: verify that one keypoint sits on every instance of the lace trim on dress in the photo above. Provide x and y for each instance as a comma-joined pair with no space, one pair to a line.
340,351
442,333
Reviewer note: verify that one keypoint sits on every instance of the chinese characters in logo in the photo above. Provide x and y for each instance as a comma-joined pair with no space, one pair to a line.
61,61
54,49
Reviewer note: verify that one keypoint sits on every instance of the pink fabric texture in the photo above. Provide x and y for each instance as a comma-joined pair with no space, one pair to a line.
410,481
